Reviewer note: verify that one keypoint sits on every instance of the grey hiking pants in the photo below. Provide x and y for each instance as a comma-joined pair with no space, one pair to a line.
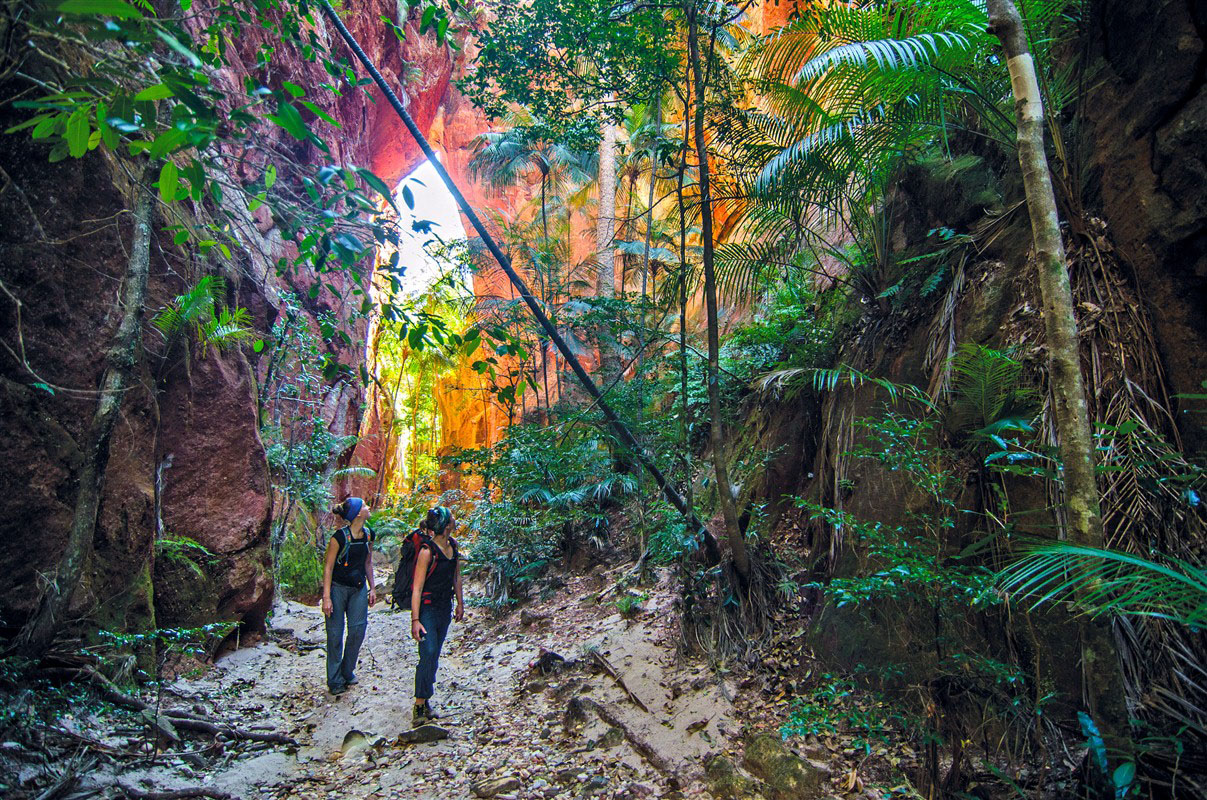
342,655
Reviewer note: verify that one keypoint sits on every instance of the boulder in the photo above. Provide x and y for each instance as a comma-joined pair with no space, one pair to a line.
726,782
495,786
423,734
787,775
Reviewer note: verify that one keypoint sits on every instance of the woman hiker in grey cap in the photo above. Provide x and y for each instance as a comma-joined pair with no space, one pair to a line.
349,566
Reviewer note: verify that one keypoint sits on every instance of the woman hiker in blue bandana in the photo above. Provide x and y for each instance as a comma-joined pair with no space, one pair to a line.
437,581
348,568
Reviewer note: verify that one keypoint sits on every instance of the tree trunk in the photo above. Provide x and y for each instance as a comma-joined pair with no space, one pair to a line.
1064,359
684,418
1100,675
741,559
38,634
605,225
605,235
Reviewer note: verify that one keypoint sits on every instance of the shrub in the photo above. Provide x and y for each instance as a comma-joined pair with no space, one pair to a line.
299,567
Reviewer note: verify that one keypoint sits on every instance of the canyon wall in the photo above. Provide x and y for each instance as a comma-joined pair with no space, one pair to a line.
186,457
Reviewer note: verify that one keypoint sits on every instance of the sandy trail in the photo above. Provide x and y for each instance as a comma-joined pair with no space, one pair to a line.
574,733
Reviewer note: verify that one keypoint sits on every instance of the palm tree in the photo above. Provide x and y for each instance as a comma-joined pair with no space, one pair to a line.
505,157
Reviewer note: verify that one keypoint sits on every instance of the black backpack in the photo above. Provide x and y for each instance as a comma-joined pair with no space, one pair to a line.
404,576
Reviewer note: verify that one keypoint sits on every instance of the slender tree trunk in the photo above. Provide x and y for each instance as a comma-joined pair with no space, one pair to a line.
1101,679
38,634
628,221
415,431
684,418
381,479
605,234
605,226
645,269
1064,358
741,559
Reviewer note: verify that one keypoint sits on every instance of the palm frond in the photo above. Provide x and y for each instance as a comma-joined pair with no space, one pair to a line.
353,472
1099,582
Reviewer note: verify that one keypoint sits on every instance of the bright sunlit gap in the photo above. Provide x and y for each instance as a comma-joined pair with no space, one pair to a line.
434,220
430,278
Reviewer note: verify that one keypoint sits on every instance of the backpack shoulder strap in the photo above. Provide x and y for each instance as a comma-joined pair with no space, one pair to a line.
345,545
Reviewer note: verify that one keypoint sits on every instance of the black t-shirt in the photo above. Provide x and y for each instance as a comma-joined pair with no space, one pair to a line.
439,583
350,557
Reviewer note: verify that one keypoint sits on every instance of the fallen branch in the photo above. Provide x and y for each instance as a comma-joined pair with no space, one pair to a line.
607,667
191,723
176,794
184,720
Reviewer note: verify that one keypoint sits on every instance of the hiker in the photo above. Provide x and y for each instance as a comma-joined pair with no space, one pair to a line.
437,578
348,568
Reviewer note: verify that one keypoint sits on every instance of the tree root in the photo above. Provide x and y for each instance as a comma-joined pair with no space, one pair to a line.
581,704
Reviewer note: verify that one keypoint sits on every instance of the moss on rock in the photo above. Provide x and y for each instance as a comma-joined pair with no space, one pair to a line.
725,782
787,775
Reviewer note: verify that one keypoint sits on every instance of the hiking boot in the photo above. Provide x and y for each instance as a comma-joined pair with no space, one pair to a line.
338,689
418,716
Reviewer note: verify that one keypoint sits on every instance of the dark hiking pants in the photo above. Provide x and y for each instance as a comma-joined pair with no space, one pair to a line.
435,618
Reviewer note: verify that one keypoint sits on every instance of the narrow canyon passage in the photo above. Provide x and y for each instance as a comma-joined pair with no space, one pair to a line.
819,390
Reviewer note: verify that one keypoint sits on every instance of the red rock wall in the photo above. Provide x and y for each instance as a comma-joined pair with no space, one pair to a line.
190,422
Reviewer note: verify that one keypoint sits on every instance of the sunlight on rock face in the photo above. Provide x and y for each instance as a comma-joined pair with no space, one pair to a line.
428,222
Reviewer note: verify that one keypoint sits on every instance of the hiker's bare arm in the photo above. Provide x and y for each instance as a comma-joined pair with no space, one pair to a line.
459,614
328,568
422,562
369,572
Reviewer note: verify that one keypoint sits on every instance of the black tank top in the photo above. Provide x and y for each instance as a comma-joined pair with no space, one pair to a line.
350,557
439,583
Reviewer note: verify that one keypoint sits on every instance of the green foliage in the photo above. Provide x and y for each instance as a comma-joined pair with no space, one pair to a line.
836,706
1101,582
987,396
513,545
559,57
148,95
630,605
299,567
556,489
908,561
796,326
185,553
853,87
670,539
201,310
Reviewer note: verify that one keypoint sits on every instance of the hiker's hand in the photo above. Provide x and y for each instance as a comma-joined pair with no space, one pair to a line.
372,597
327,607
459,614
417,630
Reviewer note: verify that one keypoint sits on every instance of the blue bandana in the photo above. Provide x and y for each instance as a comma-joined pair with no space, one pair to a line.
352,507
